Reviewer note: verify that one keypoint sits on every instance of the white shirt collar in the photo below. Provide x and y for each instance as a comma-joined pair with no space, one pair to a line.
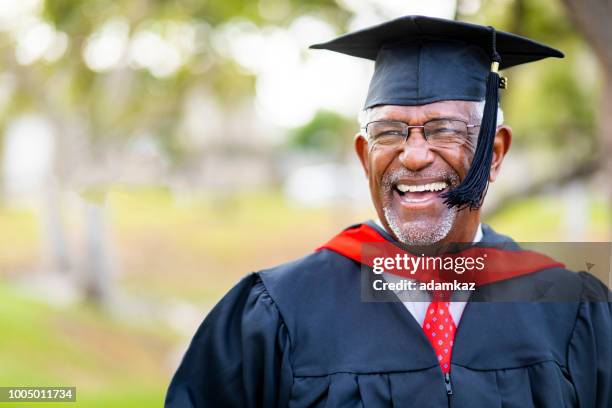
479,234
418,300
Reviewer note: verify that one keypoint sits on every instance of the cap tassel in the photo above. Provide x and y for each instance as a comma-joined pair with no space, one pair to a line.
470,193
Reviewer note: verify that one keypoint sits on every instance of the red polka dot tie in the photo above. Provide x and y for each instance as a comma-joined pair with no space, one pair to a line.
440,329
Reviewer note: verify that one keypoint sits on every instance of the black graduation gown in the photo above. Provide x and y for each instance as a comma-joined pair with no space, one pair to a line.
299,335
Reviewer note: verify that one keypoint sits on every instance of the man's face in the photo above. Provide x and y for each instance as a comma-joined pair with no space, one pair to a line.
406,181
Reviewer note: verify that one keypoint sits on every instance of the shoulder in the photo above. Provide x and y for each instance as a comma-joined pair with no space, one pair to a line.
595,309
307,272
312,286
593,289
560,284
315,274
548,284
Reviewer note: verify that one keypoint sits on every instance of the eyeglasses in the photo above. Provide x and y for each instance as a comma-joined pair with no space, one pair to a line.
443,133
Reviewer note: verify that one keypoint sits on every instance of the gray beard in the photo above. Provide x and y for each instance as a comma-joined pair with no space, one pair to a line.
418,233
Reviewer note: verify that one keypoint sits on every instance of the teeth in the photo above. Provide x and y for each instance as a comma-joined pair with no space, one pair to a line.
438,186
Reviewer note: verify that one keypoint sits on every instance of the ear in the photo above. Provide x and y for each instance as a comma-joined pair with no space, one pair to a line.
362,148
501,144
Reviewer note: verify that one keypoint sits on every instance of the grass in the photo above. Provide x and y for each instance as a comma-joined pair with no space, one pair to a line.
197,249
110,363
542,219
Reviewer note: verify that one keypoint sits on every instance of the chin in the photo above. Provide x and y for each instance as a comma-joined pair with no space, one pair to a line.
420,230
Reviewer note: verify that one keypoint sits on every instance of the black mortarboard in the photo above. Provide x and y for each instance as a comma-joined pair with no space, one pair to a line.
420,60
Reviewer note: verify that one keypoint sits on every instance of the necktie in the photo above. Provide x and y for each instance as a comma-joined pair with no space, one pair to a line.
440,329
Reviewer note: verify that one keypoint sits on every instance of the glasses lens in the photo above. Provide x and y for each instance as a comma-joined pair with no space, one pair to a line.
387,133
446,133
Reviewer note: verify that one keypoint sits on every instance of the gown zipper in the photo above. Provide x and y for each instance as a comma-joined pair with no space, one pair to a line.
449,389
447,383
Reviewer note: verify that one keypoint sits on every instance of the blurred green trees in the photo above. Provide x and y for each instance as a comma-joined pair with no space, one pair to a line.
548,103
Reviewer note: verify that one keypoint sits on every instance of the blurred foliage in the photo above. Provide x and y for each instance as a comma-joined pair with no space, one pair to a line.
70,13
327,132
119,103
549,104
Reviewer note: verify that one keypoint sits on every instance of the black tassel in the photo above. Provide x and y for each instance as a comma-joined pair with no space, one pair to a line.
470,193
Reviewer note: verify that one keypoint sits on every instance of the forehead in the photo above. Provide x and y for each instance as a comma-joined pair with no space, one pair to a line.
452,109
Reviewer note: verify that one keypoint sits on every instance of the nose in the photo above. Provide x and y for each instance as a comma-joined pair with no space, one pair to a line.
416,153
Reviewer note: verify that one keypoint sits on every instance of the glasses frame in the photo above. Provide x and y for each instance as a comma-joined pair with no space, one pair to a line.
409,127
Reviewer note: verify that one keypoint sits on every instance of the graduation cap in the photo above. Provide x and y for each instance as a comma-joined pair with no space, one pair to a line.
421,60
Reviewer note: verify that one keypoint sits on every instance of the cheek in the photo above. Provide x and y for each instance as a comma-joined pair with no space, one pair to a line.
379,163
458,159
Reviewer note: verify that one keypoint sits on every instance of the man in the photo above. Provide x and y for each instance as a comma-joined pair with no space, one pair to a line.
313,332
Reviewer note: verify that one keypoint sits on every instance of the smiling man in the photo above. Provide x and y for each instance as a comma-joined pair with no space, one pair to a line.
313,332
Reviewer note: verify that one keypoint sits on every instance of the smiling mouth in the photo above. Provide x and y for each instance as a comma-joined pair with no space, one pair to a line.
415,193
